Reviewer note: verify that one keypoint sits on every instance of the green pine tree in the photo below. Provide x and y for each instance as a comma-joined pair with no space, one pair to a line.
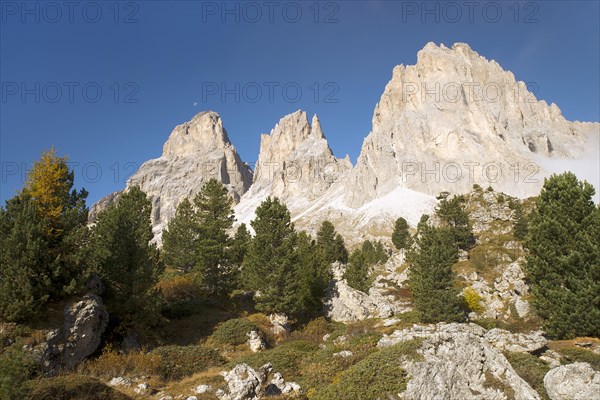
239,245
127,262
374,253
563,265
401,235
358,271
180,239
454,215
214,217
270,265
430,275
331,243
313,273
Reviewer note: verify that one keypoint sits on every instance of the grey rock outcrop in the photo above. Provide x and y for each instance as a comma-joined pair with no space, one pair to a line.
516,342
255,342
80,335
458,363
195,152
577,381
245,383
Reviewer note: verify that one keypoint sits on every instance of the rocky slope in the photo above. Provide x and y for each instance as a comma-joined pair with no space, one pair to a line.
195,152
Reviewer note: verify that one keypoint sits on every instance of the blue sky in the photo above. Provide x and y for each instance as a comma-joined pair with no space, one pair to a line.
155,62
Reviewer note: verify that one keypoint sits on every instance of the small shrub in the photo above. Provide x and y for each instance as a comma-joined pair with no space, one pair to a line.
285,358
500,198
111,363
477,188
233,332
573,354
473,300
531,369
179,288
72,387
181,361
15,368
490,189
379,375
313,331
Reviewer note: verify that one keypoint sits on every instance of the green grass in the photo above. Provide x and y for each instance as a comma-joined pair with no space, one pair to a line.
574,354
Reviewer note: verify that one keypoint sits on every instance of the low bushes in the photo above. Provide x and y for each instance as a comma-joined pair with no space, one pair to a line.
233,332
531,369
181,361
72,387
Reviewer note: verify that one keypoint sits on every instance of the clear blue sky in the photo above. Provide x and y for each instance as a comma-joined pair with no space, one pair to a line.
170,53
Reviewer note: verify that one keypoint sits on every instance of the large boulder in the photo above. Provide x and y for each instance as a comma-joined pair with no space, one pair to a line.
577,381
80,335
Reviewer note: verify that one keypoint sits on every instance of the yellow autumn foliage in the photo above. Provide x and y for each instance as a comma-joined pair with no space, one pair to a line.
473,300
48,184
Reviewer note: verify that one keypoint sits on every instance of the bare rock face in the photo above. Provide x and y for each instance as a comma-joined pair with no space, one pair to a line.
577,381
195,152
458,363
455,119
245,383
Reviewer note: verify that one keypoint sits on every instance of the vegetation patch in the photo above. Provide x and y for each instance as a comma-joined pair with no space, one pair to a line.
233,332
177,362
379,375
575,354
531,369
72,387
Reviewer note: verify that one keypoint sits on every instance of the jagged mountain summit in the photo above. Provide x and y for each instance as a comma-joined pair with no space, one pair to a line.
455,119
452,120
195,152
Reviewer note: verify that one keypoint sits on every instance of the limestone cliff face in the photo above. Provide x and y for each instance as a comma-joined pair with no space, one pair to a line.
455,119
195,152
295,164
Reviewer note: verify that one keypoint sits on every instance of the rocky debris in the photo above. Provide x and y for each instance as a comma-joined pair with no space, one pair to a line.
244,383
508,289
195,152
551,358
343,354
120,381
458,363
346,304
487,210
201,389
142,388
577,381
255,342
516,342
281,324
80,335
279,386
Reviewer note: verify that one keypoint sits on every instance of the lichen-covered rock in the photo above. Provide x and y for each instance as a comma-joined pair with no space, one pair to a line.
458,363
577,381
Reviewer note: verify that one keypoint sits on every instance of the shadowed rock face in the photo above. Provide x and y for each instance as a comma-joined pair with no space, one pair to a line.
195,152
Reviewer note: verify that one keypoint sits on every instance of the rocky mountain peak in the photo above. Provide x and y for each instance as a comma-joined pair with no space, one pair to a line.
204,131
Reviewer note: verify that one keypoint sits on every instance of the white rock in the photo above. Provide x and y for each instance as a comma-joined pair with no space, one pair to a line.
280,322
201,389
577,381
516,342
343,354
120,381
142,388
255,342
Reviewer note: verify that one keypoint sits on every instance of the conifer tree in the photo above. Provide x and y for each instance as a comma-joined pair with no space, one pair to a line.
180,239
331,243
214,217
42,232
269,265
239,245
453,214
430,275
563,265
127,262
358,272
313,273
401,235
